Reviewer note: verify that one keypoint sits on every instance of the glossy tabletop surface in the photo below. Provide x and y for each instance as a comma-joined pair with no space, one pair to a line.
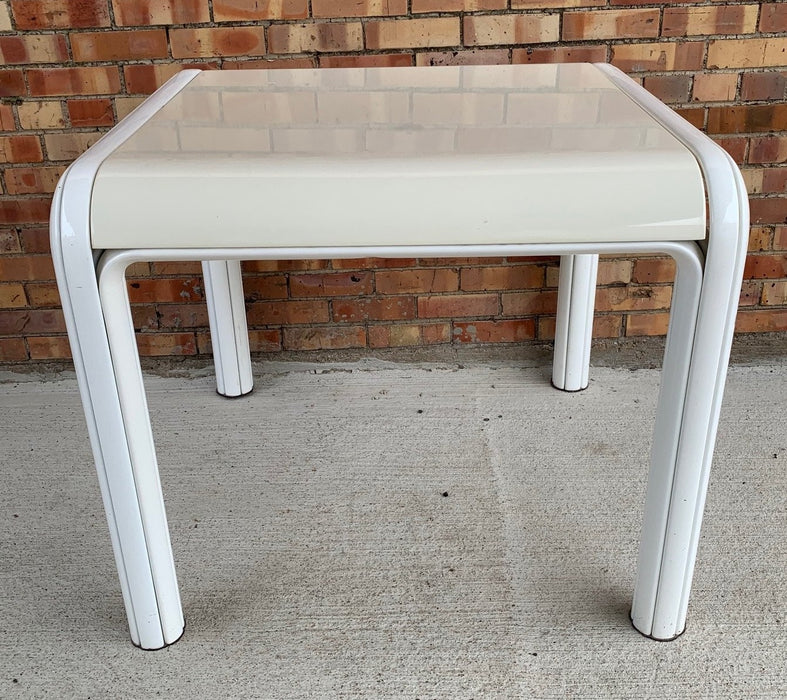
398,156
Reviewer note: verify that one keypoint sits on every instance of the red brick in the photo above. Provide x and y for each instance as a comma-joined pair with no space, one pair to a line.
529,303
560,54
323,36
610,24
119,46
18,322
358,8
12,83
457,306
69,145
331,338
455,5
170,268
32,180
772,210
13,350
406,334
614,272
768,149
27,267
723,19
20,149
49,347
9,242
144,317
761,321
775,293
413,33
386,309
74,81
543,4
35,48
486,30
43,294
669,88
267,313
653,270
283,265
217,41
57,14
146,12
693,115
41,114
266,287
465,262
780,238
750,293
764,86
144,79
735,146
513,331
661,56
182,315
7,118
91,112
747,119
370,263
476,279
647,324
34,240
472,57
384,60
12,296
715,87
24,211
764,266
774,180
268,63
331,284
164,290
633,298
159,344
416,281
760,238
773,17
266,340
250,10
758,52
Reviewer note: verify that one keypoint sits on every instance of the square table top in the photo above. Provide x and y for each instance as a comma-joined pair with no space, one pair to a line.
398,156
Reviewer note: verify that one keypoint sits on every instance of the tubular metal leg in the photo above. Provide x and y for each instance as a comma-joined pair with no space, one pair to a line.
129,486
228,331
695,365
574,326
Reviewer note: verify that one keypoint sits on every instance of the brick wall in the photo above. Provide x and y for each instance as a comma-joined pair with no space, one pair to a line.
69,69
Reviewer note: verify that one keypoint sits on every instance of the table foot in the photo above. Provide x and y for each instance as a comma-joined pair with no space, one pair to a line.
574,324
228,330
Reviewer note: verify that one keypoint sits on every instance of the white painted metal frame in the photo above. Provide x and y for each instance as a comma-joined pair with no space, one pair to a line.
229,333
574,324
95,301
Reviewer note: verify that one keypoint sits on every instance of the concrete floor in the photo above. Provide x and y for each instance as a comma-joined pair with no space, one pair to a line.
320,557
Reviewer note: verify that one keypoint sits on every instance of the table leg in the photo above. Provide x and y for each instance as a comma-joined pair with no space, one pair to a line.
229,334
574,325
702,321
136,517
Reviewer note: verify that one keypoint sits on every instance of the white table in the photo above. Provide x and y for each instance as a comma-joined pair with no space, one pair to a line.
569,160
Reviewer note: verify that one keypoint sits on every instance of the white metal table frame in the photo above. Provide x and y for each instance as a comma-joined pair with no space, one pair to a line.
95,301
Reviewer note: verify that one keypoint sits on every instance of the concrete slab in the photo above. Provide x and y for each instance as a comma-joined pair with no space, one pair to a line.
377,529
